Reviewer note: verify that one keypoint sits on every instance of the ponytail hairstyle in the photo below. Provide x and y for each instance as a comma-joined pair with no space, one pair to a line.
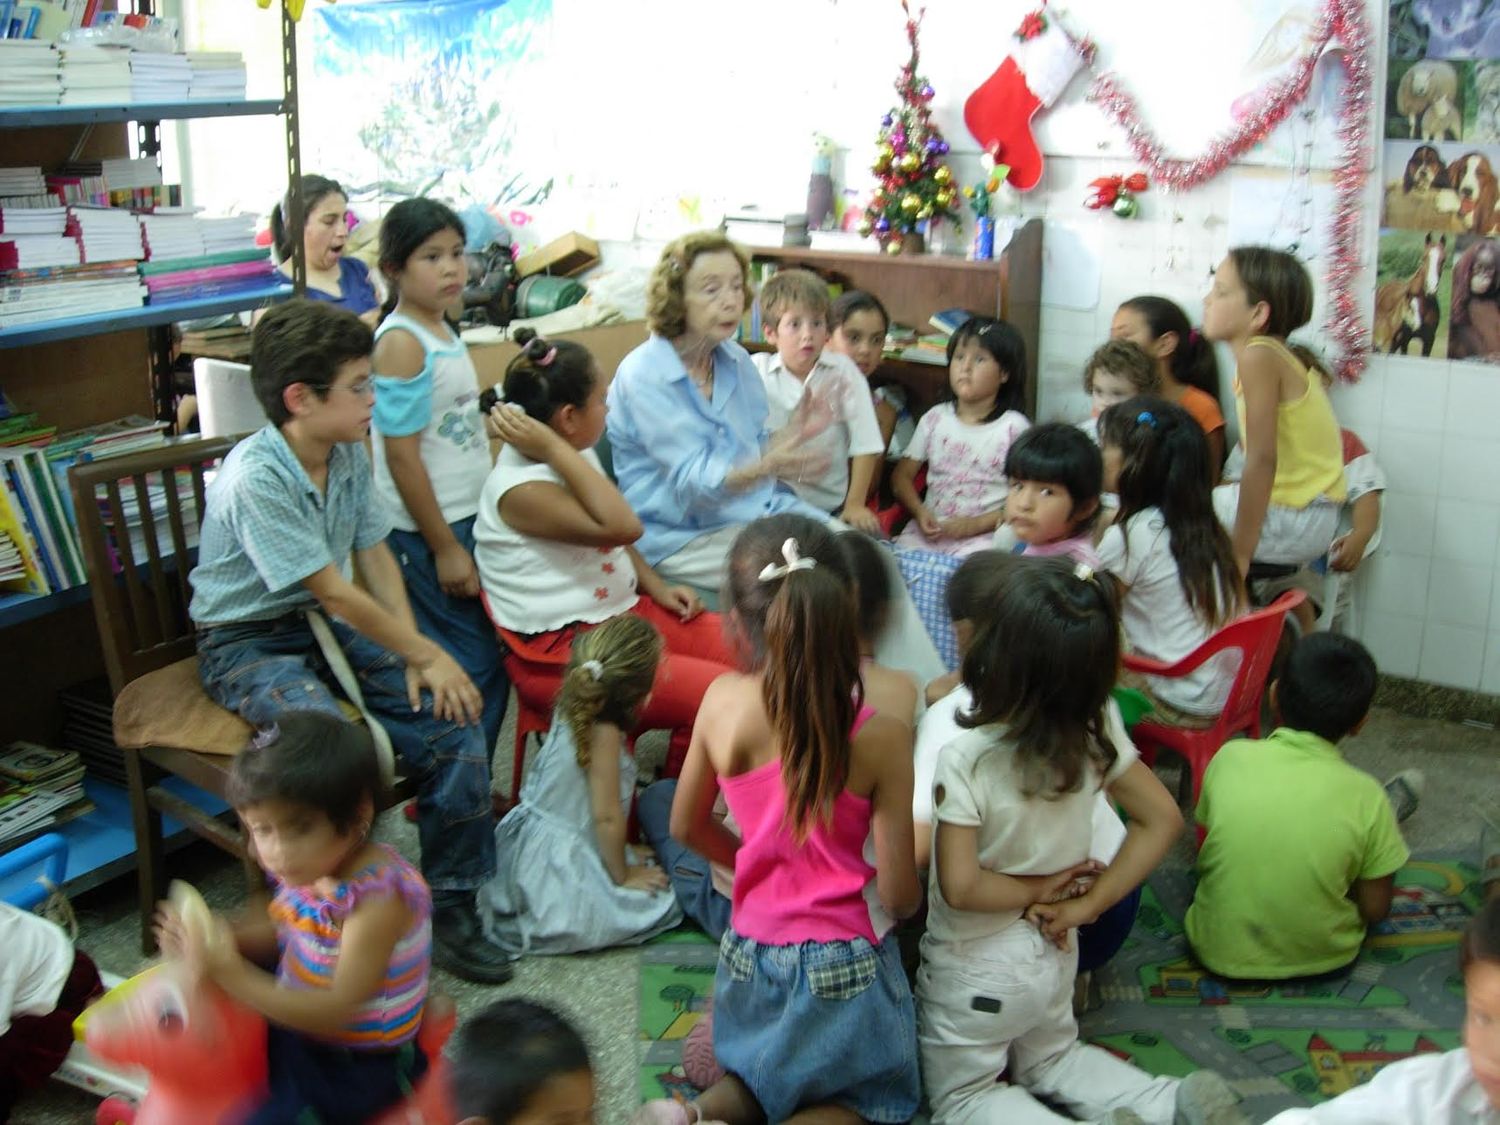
547,375
405,227
609,675
1312,361
1192,359
1164,464
1050,693
1278,279
1003,342
791,588
315,189
872,584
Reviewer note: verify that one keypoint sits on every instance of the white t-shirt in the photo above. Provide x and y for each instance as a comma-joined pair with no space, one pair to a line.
537,585
442,404
1155,614
38,958
965,463
1018,835
854,431
1435,1089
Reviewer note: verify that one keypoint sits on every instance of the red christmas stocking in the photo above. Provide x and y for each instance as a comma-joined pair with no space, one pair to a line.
1031,78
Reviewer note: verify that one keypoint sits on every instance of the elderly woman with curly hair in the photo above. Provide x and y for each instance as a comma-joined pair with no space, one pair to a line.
687,430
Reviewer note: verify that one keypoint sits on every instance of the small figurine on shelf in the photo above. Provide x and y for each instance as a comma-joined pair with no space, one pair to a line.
981,202
821,205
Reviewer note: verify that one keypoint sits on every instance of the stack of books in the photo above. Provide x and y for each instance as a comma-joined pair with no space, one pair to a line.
36,507
217,76
94,75
37,251
159,77
39,295
233,271
229,232
11,566
173,233
32,220
40,788
28,73
106,234
24,187
230,341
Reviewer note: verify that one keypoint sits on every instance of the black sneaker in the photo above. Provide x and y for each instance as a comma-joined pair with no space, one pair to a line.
460,947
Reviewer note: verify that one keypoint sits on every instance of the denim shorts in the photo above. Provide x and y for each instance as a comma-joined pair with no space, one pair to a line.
820,1023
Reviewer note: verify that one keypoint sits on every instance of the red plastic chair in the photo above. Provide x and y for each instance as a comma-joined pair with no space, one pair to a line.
1255,636
894,517
536,674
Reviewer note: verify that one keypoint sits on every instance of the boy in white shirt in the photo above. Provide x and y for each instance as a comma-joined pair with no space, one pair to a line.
801,374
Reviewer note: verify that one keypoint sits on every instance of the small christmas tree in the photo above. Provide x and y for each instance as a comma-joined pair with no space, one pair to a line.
916,186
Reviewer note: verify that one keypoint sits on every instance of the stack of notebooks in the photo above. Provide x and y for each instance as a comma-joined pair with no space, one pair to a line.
158,77
208,275
217,76
40,788
39,295
94,75
37,251
28,73
171,233
229,232
106,234
11,566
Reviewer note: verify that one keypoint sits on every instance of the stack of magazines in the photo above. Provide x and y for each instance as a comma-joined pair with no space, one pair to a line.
40,788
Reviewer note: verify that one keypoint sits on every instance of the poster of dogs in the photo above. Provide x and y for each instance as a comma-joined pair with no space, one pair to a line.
1437,277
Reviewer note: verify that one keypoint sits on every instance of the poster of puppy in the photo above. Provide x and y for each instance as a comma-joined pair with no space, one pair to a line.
1413,293
1448,187
1425,100
1474,320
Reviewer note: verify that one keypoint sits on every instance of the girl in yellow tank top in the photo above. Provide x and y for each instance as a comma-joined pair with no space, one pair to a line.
1284,510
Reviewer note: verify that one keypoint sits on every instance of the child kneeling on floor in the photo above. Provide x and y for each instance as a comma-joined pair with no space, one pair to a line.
1302,848
1013,801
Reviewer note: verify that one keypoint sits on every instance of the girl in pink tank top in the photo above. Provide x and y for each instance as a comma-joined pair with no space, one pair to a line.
811,1006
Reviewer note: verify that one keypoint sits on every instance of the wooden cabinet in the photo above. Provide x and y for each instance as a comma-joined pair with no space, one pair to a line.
914,286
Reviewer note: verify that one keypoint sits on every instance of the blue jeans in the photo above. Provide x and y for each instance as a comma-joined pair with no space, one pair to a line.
262,669
689,872
1101,939
460,625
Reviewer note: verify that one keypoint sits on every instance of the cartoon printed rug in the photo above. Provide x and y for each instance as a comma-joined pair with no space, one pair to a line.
1279,1046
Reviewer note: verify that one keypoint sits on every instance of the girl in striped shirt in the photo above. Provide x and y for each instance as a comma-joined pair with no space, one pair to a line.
347,929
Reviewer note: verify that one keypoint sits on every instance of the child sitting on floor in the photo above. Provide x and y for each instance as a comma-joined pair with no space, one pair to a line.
1055,476
1290,821
567,881
1172,559
1014,800
794,305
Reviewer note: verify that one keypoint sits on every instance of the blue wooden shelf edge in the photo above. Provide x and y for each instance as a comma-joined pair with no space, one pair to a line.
41,116
142,316
101,845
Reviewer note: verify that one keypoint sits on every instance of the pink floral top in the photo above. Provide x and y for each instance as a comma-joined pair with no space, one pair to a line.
965,471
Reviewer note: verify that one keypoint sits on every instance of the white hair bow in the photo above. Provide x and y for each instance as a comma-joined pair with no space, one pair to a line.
594,668
771,571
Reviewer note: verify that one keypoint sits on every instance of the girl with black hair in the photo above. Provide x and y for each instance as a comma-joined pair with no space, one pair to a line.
430,450
1184,360
331,274
964,441
1168,551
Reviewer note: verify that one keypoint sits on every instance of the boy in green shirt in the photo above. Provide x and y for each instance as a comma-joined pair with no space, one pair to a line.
1302,847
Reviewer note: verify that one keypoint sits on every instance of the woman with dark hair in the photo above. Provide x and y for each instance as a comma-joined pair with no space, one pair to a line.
331,276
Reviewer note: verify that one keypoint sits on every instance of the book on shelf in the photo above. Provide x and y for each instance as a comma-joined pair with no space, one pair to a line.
32,251
40,788
947,321
17,219
753,227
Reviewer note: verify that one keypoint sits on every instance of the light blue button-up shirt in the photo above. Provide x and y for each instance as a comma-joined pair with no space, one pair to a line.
266,527
672,448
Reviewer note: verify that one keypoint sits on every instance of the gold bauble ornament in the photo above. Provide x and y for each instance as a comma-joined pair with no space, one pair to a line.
885,152
911,202
945,197
925,213
893,247
865,227
911,162
943,174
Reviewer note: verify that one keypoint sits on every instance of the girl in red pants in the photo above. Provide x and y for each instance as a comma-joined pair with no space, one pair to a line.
553,541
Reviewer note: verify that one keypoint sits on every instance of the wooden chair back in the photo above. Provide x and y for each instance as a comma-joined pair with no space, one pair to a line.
138,519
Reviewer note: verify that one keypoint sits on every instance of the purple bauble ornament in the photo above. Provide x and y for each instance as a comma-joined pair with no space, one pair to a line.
882,224
887,120
927,92
942,148
934,145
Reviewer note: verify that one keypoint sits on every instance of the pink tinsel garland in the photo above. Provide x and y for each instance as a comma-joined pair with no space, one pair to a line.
1345,21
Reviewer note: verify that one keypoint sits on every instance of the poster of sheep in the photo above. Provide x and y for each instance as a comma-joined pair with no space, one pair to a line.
1438,270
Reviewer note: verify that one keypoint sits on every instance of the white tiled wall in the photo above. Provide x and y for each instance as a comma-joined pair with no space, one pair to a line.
1429,598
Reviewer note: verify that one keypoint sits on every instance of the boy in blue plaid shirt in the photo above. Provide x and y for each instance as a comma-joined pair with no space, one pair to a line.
291,507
